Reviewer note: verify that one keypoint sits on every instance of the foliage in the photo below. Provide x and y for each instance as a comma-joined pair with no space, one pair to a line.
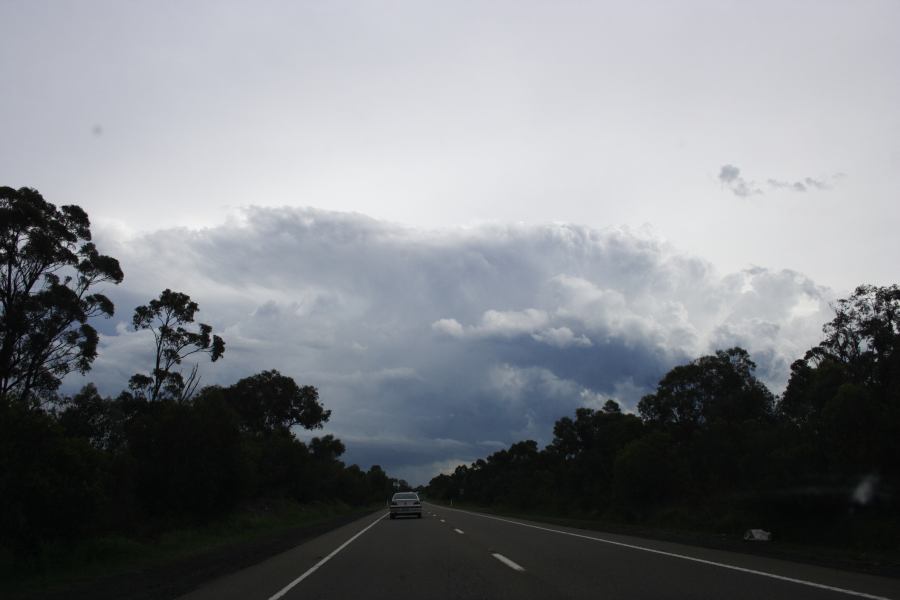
864,336
166,317
269,401
127,464
48,267
718,388
843,397
51,484
646,474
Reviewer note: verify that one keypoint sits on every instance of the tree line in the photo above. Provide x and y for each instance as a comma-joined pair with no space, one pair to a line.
713,448
164,452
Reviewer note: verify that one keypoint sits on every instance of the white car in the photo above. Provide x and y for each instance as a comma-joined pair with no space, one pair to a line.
406,503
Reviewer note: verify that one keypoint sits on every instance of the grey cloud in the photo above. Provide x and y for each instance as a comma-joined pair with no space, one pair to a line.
729,174
730,177
818,184
808,183
425,344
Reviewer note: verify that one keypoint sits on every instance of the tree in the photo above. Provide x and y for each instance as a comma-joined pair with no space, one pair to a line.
721,387
89,416
50,484
187,458
326,448
865,336
270,401
167,317
647,473
379,483
843,396
48,266
587,447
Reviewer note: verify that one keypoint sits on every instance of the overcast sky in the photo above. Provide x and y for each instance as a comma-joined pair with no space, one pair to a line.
462,220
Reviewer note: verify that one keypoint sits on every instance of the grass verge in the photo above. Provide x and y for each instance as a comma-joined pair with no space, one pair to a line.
173,562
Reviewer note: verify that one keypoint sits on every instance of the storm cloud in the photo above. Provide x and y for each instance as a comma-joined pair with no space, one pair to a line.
435,347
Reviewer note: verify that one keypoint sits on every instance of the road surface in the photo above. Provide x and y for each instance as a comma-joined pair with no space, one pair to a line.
451,553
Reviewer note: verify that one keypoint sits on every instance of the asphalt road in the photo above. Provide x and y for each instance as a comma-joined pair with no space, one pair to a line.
456,554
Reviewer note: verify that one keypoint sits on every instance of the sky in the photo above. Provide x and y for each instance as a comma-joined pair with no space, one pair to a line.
461,221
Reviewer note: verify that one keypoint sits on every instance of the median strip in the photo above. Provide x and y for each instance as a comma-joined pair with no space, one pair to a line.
316,566
508,563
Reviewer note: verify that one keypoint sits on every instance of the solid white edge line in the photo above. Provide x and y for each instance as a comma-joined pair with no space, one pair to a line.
684,557
457,530
316,566
507,562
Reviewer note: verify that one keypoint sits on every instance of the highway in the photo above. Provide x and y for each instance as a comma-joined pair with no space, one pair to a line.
451,553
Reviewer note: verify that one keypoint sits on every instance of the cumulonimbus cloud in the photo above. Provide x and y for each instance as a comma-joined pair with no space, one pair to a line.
449,339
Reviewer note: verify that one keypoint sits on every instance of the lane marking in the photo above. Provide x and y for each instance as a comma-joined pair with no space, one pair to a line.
820,586
316,566
508,562
443,521
459,531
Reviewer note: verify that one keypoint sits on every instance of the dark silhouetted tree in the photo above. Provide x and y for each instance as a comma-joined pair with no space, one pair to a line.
721,387
100,421
327,448
843,397
865,336
270,401
380,485
167,317
646,474
587,447
48,267
49,482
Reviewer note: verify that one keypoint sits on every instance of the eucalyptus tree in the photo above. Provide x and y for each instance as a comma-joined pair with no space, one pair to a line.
168,318
49,272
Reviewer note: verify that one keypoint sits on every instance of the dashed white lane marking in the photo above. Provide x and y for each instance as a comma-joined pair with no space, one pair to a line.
316,566
820,586
443,521
458,530
507,562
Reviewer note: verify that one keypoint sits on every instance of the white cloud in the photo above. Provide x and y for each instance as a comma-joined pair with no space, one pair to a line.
496,323
561,337
449,327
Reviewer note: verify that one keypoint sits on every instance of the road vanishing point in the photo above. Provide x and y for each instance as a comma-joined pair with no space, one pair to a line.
456,554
